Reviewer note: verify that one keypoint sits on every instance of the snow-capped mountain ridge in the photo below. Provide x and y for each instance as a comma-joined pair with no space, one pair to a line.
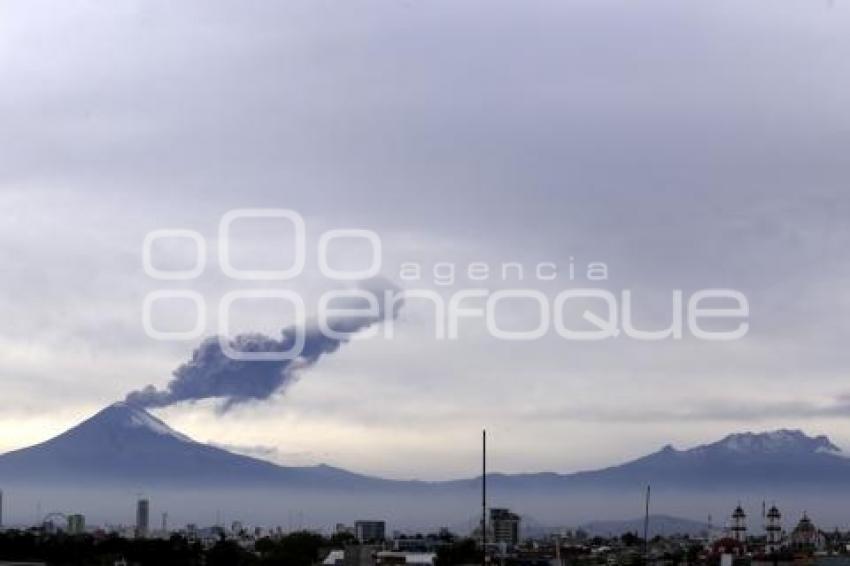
137,417
776,442
773,442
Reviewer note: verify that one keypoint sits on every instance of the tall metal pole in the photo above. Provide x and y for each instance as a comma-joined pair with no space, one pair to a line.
483,497
646,529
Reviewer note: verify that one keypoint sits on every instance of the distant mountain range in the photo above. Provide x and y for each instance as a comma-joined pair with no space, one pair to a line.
780,459
124,446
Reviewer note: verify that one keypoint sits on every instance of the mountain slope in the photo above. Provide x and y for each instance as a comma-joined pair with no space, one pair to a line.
126,445
123,444
779,458
782,459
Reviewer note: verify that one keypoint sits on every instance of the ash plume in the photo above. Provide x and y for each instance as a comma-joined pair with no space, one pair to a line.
211,374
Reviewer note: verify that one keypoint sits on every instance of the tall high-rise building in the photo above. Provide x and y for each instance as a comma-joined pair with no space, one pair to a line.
505,526
142,518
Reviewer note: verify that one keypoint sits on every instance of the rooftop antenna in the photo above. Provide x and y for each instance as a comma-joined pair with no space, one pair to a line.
646,528
484,497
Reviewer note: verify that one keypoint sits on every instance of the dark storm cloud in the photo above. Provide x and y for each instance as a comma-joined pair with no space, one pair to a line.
211,373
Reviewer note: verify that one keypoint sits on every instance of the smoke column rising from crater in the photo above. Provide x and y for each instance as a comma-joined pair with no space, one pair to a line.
211,374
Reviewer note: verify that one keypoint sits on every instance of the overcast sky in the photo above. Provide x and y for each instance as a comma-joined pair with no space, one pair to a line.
687,145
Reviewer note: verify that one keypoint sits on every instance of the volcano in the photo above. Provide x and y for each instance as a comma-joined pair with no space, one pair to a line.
125,445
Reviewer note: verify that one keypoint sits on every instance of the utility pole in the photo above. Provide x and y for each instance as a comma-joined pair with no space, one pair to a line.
646,529
483,497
